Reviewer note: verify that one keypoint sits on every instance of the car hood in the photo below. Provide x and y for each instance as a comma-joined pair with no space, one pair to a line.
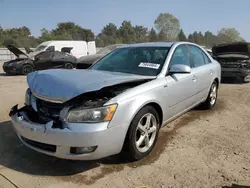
62,85
241,48
15,62
89,59
16,51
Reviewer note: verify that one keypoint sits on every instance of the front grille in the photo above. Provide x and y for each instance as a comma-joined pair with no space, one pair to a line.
7,68
49,109
229,65
39,145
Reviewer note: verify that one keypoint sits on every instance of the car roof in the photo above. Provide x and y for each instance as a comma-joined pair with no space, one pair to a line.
149,44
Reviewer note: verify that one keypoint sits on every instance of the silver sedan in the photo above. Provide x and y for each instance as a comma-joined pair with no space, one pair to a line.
119,103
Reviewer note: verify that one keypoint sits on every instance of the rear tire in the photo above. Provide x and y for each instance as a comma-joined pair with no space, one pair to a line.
142,134
212,97
26,69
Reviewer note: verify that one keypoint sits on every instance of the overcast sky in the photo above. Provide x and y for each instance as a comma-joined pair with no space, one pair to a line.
194,15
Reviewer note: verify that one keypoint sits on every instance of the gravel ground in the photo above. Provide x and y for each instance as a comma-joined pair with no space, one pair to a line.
200,149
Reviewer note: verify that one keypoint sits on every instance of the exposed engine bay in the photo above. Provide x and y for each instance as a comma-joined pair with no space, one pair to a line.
234,59
43,111
234,62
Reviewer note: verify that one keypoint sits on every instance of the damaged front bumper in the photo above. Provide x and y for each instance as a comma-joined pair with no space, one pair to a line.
233,72
77,141
10,70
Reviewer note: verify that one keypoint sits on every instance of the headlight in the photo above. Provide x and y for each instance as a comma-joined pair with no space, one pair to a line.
92,115
27,97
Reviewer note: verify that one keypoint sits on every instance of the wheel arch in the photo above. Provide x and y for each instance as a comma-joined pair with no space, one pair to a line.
217,82
27,63
68,62
158,109
154,104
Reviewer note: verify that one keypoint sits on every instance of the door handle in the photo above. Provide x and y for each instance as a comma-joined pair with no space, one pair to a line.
194,78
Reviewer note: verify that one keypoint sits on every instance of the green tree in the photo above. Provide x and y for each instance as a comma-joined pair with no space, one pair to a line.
127,33
168,24
190,38
110,30
229,35
69,30
210,39
200,38
152,35
162,36
140,33
182,36
108,35
1,36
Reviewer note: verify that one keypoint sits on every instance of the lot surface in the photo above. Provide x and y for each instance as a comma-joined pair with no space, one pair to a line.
200,149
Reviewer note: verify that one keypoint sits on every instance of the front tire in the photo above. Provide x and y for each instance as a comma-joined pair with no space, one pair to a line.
68,66
26,69
142,134
212,97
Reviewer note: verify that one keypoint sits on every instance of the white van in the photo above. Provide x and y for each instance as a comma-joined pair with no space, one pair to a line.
79,48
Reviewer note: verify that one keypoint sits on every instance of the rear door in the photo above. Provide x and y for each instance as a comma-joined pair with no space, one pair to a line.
58,60
201,69
91,48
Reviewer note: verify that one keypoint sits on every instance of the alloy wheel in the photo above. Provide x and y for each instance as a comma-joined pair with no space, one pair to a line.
146,132
213,94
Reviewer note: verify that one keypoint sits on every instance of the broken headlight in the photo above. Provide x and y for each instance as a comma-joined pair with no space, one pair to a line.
27,97
93,115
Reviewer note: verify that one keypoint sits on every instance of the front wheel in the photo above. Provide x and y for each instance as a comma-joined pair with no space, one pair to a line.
142,134
68,66
26,69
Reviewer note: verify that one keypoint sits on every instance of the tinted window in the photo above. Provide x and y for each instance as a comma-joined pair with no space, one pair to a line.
51,48
40,48
180,56
134,60
207,60
46,55
196,56
108,49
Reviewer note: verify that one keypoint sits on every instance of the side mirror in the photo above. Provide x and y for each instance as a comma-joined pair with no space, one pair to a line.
179,68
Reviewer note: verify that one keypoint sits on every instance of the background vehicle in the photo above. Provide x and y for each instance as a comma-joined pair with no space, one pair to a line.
79,48
86,61
234,59
118,103
26,63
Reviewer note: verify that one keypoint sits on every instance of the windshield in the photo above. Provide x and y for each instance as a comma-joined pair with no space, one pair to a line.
40,48
134,60
107,49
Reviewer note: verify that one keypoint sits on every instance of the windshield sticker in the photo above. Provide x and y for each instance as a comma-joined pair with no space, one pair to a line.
149,65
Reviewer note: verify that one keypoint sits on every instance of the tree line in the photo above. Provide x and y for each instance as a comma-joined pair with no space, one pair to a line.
166,28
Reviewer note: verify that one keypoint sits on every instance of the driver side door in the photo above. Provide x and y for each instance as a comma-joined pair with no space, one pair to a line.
180,89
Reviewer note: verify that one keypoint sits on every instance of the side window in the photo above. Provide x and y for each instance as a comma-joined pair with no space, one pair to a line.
207,60
180,56
51,48
196,56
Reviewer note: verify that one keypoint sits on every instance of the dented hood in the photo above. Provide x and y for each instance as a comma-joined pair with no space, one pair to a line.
61,85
